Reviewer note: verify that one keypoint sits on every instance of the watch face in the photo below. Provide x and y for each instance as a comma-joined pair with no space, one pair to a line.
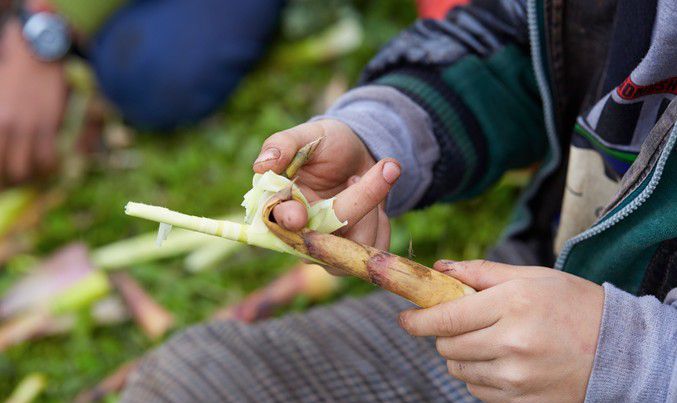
48,35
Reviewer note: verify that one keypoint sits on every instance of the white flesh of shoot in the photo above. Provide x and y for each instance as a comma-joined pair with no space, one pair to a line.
162,233
321,216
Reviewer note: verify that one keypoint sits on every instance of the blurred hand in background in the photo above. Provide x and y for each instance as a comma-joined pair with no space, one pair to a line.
32,101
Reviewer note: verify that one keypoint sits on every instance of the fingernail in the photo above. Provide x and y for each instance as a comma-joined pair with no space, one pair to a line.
353,179
447,266
402,319
267,155
391,171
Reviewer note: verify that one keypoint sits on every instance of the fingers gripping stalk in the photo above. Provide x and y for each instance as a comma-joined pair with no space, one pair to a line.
417,283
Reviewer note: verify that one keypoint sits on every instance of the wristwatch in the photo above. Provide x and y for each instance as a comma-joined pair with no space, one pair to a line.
46,33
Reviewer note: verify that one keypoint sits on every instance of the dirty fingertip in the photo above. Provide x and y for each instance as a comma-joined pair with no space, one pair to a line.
445,266
268,159
291,215
403,318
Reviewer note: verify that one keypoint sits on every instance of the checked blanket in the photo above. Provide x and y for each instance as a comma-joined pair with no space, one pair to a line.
351,351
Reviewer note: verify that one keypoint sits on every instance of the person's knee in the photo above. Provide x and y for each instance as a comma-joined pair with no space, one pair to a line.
182,368
153,83
166,64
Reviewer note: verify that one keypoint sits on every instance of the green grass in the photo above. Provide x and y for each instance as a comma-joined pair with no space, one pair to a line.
205,170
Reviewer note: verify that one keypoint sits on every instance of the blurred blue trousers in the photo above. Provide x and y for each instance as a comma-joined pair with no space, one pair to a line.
167,63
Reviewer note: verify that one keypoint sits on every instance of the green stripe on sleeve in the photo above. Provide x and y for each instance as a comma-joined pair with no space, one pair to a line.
502,94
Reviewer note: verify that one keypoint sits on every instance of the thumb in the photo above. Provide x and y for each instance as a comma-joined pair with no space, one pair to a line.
482,274
279,149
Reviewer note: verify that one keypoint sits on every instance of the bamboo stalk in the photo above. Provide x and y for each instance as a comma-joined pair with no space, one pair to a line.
48,318
142,248
210,254
221,228
28,389
38,323
91,288
65,278
32,325
49,279
307,280
18,221
154,319
13,203
419,284
19,329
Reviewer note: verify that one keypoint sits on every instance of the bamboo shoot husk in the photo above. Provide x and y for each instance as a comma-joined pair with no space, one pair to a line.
306,280
28,389
154,319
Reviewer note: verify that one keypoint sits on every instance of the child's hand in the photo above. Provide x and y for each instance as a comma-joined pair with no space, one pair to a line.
529,335
341,166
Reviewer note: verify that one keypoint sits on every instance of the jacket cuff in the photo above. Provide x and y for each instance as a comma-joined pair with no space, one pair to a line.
392,125
636,350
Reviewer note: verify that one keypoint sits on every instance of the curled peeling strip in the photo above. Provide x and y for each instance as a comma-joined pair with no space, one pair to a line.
321,216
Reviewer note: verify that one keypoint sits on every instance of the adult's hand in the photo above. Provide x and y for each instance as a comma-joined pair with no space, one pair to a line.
341,166
529,335
32,100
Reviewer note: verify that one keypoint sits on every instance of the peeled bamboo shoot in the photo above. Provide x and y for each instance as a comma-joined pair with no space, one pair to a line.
415,282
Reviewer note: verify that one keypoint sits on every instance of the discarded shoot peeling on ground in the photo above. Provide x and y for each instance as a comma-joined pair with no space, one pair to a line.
417,283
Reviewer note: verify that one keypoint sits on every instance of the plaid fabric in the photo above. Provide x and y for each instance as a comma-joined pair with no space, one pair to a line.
352,351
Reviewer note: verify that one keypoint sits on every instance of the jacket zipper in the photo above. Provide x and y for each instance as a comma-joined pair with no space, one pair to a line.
546,99
625,211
